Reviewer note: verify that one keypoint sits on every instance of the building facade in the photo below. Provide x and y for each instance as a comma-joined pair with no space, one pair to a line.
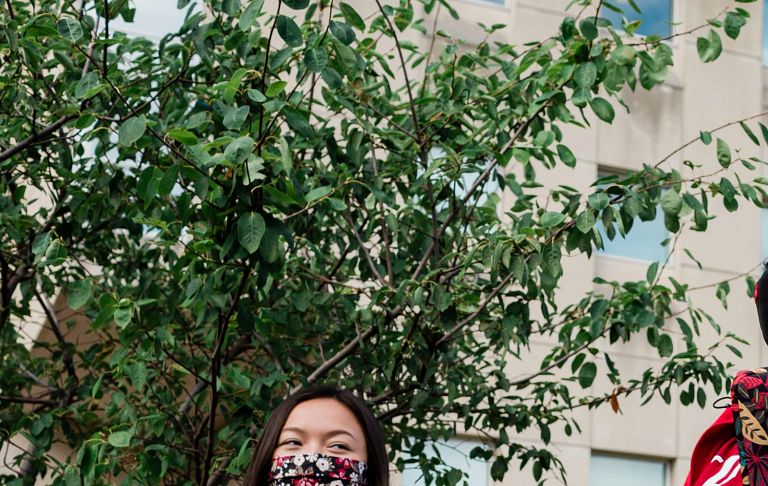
648,445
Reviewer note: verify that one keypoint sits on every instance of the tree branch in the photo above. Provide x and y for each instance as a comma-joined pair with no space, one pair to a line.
54,322
221,334
365,251
35,137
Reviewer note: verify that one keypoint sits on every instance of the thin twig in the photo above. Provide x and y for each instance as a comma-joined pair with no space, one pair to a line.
697,139
364,249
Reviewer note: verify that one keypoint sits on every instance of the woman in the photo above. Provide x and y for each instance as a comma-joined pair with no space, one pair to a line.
320,436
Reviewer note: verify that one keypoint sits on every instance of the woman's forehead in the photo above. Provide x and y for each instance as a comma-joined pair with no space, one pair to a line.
323,414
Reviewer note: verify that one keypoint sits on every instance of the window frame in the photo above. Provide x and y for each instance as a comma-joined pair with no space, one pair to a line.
453,445
665,462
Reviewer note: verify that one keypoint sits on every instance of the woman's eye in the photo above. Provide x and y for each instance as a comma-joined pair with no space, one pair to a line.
291,442
343,447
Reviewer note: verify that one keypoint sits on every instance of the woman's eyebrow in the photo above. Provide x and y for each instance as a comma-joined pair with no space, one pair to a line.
333,433
295,430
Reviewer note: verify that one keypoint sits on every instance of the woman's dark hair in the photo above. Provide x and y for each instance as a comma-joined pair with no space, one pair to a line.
378,462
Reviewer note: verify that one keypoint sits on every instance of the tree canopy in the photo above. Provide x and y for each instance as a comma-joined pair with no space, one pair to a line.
297,192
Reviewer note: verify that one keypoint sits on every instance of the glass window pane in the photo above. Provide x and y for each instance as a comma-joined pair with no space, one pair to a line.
610,471
656,16
455,453
643,241
153,19
765,33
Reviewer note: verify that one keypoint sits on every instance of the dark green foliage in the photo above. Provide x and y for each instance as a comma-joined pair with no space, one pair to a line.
258,201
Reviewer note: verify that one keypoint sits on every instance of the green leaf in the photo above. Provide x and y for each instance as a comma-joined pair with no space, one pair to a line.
148,184
332,78
566,156
352,17
585,222
239,149
598,201
650,274
253,170
587,374
624,55
723,153
249,15
88,86
602,109
131,130
634,6
182,136
236,117
256,96
296,4
701,397
550,219
665,345
41,243
317,193
588,28
705,137
123,315
250,230
55,254
342,32
749,133
285,156
315,59
276,88
709,47
168,181
137,372
197,120
289,31
723,289
585,74
764,131
671,202
70,29
733,24
120,439
78,293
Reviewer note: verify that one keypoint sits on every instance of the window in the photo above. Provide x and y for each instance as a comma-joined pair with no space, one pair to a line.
605,470
655,16
153,19
642,242
765,33
455,453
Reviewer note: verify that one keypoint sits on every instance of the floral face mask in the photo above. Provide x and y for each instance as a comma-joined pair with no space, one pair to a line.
317,470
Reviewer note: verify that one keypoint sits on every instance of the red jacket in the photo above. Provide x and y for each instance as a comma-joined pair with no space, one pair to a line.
715,459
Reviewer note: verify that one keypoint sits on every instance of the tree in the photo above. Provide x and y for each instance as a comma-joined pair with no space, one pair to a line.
288,194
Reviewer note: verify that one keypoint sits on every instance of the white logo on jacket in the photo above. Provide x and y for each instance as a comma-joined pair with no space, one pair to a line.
728,471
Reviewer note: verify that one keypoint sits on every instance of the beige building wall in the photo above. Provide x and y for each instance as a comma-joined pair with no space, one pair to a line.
696,97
